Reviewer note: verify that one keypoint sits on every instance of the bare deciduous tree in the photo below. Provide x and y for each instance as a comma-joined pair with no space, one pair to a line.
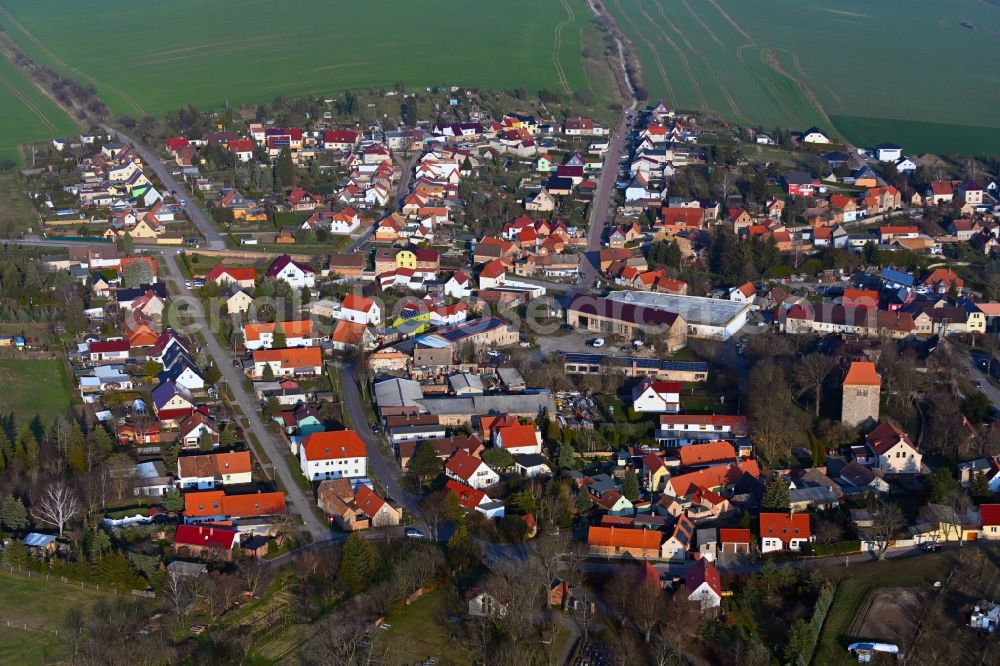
810,373
887,520
58,506
176,594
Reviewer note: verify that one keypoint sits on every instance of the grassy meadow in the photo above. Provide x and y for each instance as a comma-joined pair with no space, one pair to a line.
209,52
890,71
49,393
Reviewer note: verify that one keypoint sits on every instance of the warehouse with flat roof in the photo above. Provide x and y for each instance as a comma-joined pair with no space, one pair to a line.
707,318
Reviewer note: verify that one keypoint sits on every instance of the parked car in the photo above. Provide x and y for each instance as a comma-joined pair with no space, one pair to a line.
414,533
597,342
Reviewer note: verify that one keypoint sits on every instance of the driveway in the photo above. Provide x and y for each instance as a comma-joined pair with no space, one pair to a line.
151,159
298,500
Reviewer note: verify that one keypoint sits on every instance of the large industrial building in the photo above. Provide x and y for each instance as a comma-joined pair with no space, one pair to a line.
631,321
708,318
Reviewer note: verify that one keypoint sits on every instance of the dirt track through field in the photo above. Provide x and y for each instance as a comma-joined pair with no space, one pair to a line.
560,72
680,54
62,63
708,65
697,18
652,49
28,104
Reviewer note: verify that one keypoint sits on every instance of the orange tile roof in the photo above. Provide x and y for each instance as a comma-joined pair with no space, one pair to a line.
368,501
709,452
618,537
712,477
862,373
514,436
357,303
348,332
301,328
295,357
335,444
206,503
214,464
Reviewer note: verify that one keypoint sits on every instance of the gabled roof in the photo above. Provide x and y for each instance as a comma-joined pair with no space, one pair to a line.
214,464
284,260
468,497
784,526
292,329
703,572
206,537
463,465
333,445
237,274
514,436
619,537
368,501
709,452
886,436
357,303
292,357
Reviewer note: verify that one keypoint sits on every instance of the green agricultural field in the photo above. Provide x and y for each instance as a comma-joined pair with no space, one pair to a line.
49,393
25,113
914,72
209,52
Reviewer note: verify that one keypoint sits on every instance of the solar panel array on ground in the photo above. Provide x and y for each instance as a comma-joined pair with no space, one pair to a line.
643,363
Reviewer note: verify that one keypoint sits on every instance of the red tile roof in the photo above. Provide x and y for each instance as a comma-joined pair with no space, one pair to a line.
703,571
784,526
463,465
205,537
468,497
990,514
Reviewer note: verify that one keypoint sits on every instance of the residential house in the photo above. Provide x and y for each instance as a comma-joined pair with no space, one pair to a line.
215,505
651,396
260,335
288,362
205,471
784,531
475,500
333,455
704,584
296,274
518,439
204,542
892,450
470,470
360,310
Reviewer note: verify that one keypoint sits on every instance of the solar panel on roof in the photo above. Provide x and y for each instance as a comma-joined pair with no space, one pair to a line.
643,363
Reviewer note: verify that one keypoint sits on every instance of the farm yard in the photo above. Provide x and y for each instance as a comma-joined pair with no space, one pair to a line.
206,54
850,67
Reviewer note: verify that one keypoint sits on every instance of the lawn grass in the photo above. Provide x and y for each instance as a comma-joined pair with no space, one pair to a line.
759,61
42,606
267,49
48,387
423,628
17,215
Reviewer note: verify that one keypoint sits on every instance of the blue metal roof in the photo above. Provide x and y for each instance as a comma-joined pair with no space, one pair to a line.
897,276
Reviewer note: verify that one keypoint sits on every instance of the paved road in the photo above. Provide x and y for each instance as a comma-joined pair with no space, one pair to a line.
602,203
197,215
385,470
609,176
299,501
